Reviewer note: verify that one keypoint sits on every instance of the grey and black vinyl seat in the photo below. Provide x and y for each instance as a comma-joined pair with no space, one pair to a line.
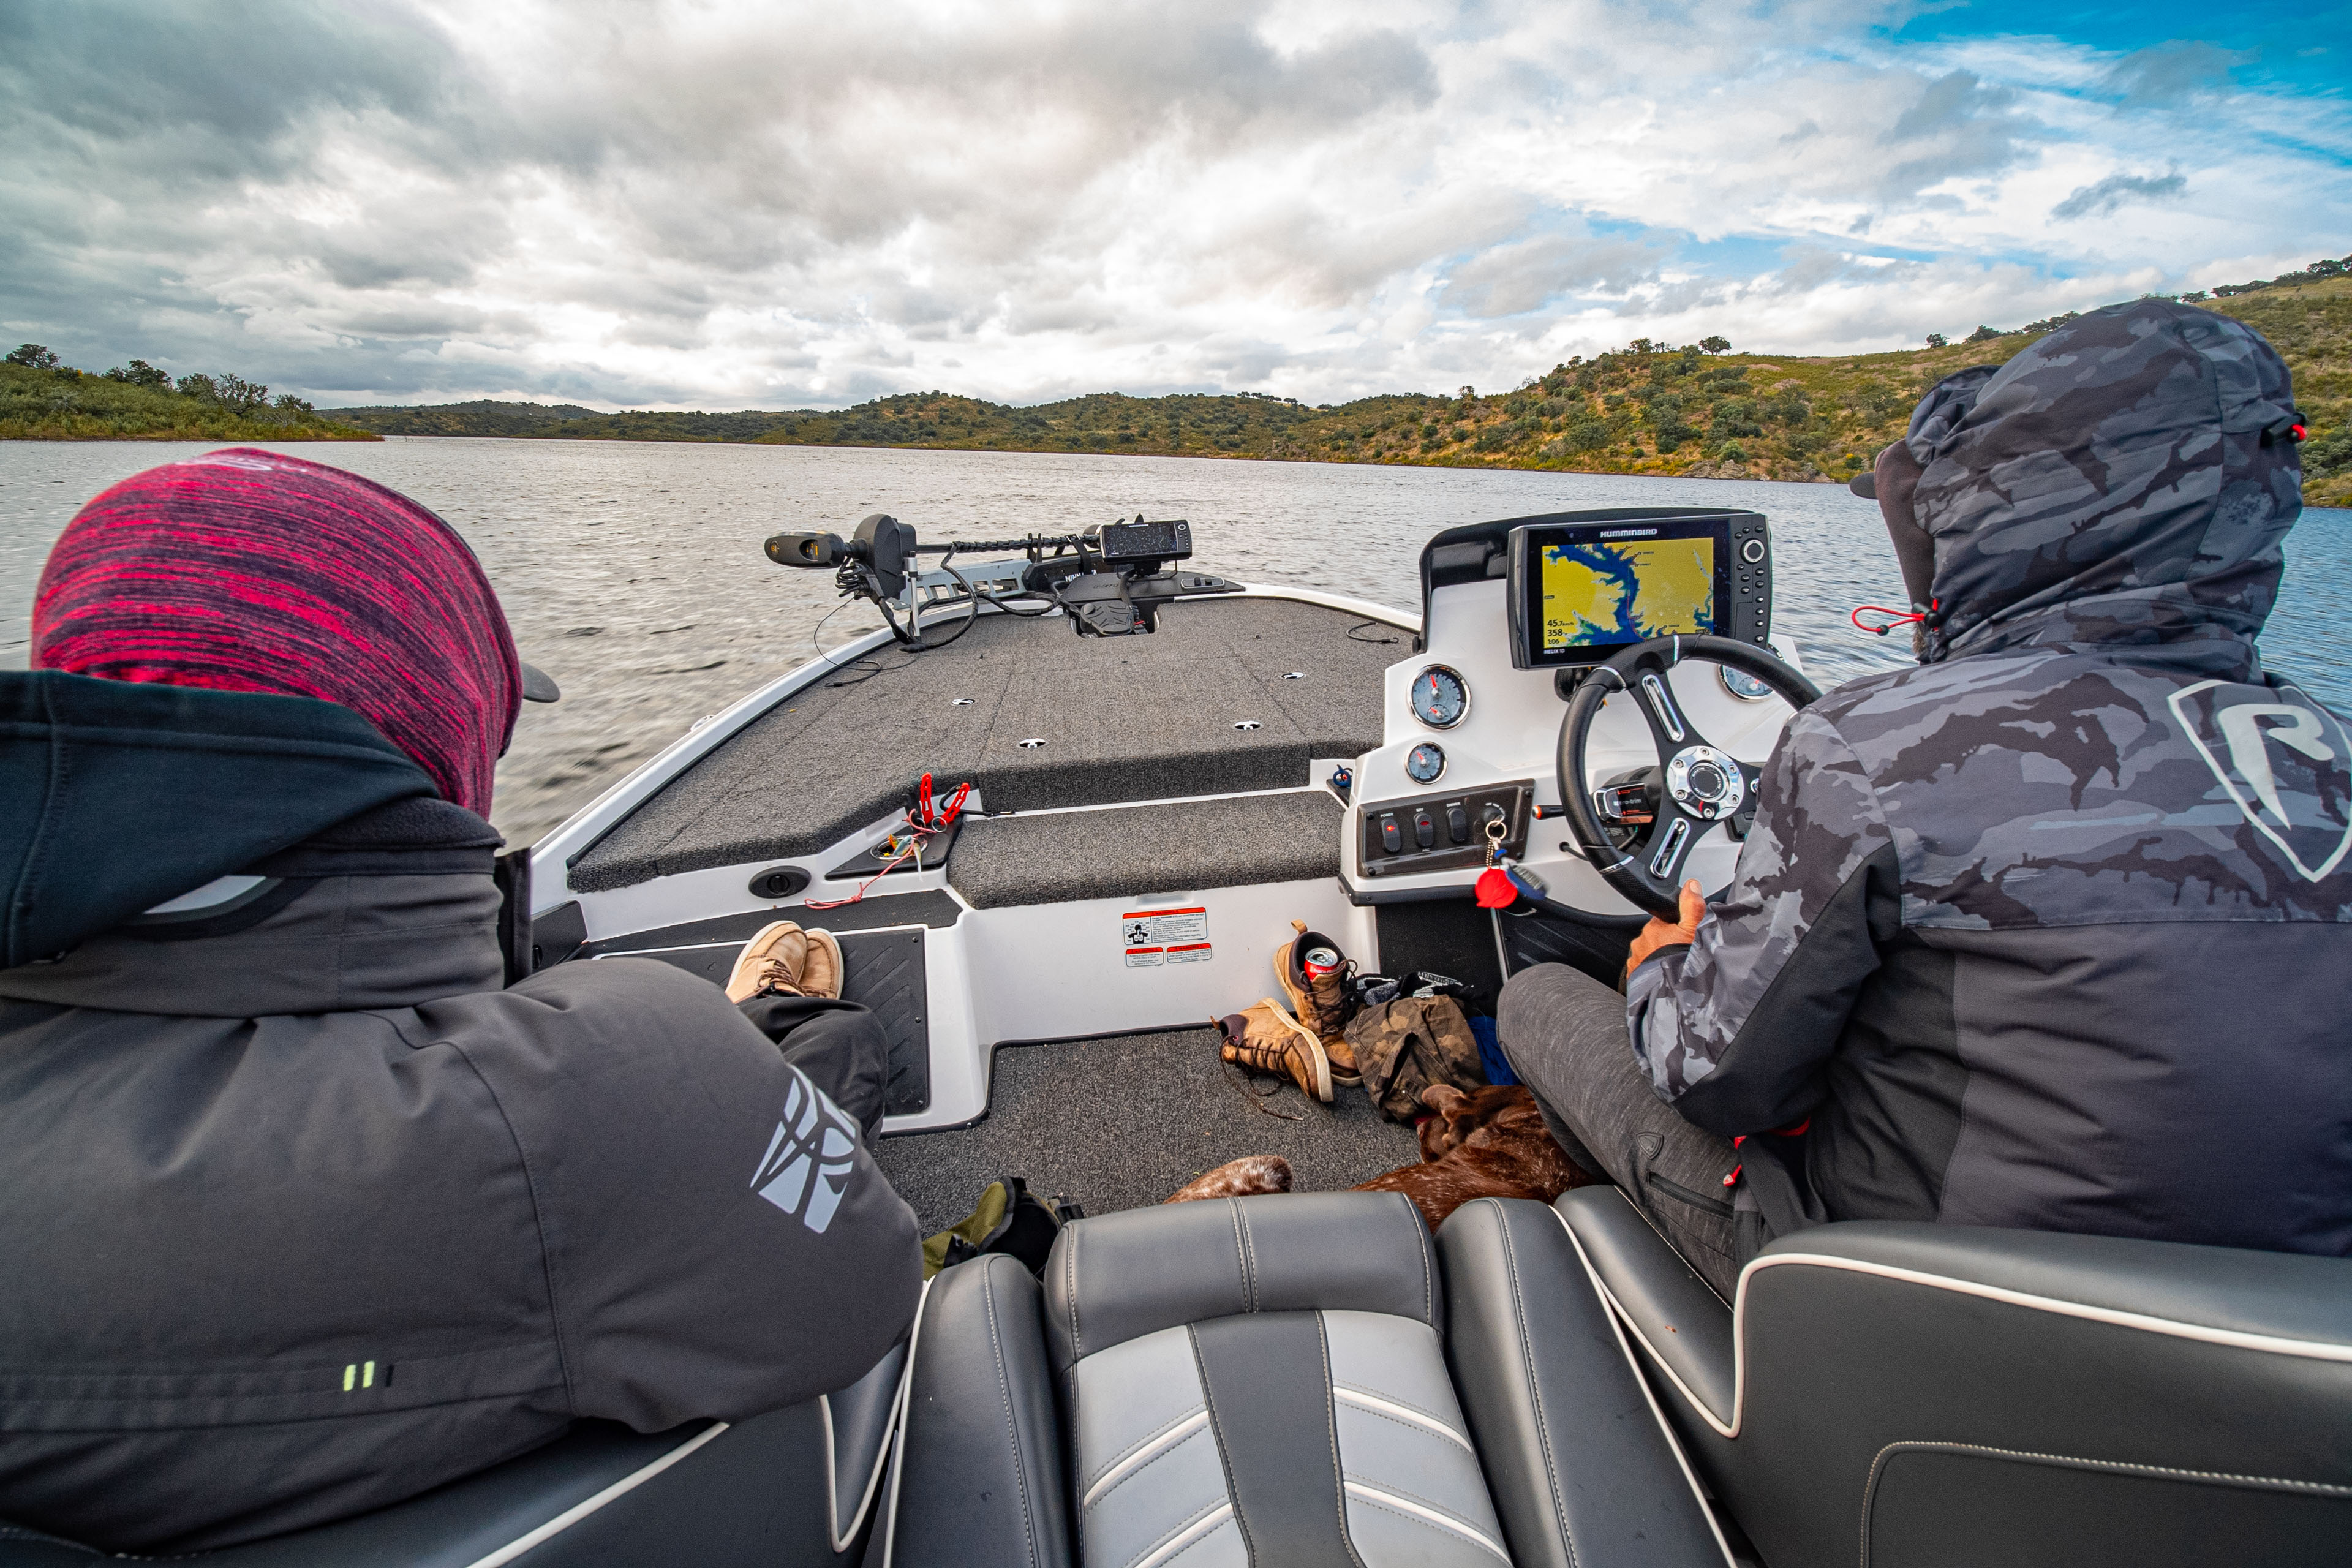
1912,1396
789,1488
1284,1380
1298,1380
1305,1379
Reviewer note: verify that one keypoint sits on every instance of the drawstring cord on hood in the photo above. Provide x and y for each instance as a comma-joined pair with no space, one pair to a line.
1931,617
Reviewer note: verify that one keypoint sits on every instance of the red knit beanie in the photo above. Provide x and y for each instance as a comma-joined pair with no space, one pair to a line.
247,571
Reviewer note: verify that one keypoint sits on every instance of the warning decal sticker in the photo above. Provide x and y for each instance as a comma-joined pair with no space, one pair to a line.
1155,937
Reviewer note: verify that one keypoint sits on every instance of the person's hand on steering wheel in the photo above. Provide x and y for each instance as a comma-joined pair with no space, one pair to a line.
1658,933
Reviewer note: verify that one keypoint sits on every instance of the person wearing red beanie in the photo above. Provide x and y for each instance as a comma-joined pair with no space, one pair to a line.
313,1206
245,571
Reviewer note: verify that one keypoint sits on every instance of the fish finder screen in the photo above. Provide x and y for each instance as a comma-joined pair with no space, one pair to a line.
1587,591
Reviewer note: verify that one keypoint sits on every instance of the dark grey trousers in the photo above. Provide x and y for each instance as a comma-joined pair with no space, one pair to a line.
838,1044
1565,1035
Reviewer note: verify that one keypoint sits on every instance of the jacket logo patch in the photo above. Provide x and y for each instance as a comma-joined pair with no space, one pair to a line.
2286,764
810,1156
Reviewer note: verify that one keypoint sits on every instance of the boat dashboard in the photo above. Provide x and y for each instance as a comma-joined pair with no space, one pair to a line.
1516,615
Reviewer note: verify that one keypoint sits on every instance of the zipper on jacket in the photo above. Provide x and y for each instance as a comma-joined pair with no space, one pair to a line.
1696,1200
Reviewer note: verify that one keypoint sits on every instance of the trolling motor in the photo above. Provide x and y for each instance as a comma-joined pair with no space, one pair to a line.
1108,580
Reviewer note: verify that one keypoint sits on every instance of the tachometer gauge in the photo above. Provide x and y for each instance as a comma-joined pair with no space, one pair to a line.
1742,685
1440,698
1424,764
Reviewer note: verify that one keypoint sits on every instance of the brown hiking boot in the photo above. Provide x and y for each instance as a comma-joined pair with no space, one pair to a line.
771,964
822,972
1264,1038
1320,1001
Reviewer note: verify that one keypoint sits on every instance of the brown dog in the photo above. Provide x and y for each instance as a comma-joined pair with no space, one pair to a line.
1488,1144
1237,1179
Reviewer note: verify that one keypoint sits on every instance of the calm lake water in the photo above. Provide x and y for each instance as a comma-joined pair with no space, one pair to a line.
632,572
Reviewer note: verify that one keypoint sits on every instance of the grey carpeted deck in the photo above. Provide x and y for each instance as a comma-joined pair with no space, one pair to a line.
1121,1123
1140,717
1127,852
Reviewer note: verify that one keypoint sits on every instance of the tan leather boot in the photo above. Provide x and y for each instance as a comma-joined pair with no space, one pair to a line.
1320,1003
822,972
771,963
1271,1041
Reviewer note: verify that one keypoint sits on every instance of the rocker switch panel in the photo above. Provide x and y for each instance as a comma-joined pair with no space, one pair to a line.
1441,832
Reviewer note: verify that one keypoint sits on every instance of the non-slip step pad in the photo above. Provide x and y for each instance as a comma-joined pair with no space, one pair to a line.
885,974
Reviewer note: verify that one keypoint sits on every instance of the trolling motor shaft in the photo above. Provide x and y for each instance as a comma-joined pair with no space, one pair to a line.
1110,581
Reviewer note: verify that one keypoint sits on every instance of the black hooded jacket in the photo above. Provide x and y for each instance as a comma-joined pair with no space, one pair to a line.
304,1214
2053,931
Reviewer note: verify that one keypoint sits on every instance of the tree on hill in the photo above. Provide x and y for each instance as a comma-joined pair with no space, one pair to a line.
32,356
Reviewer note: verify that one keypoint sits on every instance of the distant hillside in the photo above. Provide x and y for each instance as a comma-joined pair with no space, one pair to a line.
479,418
2310,324
1647,408
41,400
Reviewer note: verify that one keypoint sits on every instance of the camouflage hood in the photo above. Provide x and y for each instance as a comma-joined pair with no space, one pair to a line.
2125,481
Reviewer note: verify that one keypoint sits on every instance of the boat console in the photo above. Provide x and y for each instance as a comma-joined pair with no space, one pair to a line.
1518,616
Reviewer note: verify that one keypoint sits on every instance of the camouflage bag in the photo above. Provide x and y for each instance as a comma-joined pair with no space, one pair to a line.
1406,1045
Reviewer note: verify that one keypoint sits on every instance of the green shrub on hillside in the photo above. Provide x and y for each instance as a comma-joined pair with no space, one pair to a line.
42,400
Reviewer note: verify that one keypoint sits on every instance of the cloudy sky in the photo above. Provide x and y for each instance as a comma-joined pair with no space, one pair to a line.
723,206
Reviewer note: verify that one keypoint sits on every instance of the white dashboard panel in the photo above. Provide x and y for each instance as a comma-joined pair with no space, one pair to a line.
1511,732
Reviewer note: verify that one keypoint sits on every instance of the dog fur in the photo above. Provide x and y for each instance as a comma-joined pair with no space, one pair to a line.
1487,1143
1237,1179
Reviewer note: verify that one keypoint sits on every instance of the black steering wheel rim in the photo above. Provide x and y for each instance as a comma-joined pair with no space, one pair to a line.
1647,874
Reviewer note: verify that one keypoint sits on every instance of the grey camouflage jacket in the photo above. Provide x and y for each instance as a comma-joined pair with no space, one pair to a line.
2051,931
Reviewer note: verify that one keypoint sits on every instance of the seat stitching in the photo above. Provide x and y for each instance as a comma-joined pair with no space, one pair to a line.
1182,1525
1145,1468
1140,1444
1206,1536
1224,1459
2127,1466
1401,1424
1393,1399
1422,1241
1527,1361
1400,1513
1331,1427
1675,1250
1078,1345
1012,1425
1239,1253
1451,1510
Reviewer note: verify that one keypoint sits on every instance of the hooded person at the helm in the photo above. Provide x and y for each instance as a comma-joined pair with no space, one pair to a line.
2051,931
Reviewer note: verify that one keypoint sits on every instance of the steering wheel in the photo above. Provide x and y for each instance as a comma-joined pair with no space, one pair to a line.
1700,784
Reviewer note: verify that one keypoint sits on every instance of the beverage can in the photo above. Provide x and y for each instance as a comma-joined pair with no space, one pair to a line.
1318,961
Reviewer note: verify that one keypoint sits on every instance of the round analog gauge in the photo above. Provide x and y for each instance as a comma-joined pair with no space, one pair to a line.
1742,685
1424,764
1440,697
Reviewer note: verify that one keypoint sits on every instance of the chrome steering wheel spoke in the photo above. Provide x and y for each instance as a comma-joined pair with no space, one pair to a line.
1699,784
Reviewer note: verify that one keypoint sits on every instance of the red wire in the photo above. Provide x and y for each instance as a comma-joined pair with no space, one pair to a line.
925,822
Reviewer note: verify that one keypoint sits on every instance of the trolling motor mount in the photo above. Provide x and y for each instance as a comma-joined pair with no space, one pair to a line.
1108,580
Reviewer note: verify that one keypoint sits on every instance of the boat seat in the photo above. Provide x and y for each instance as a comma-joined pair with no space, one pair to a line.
778,1491
1945,1395
1273,1379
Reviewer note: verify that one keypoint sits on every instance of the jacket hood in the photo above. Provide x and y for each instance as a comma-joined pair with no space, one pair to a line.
2125,481
116,795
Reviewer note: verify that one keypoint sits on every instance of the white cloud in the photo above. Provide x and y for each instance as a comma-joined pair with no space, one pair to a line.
728,205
